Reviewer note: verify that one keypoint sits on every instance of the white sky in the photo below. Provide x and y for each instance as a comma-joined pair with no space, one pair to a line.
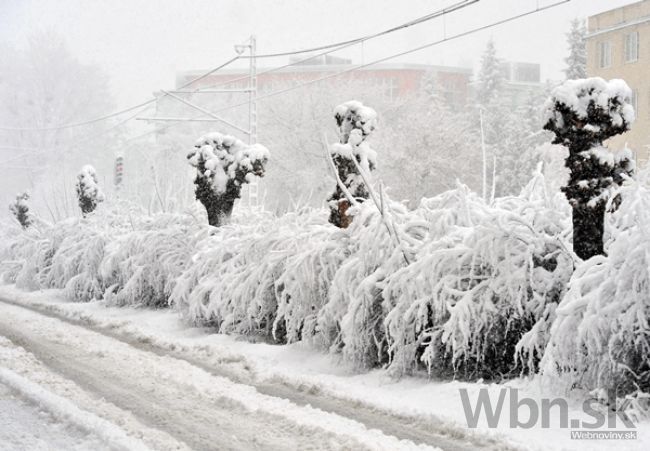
142,43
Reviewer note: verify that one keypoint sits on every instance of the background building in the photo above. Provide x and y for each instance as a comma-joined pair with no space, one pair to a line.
618,46
521,80
395,80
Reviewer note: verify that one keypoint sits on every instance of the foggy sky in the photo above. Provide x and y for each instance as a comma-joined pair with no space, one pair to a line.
142,43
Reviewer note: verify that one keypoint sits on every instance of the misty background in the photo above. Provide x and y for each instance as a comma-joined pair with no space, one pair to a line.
71,61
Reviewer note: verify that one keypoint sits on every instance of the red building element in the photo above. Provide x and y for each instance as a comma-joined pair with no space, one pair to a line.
395,80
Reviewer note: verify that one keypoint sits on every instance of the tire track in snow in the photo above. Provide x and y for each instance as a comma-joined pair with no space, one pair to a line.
445,436
202,410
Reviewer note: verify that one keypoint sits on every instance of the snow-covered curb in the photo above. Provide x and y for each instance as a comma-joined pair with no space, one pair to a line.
303,368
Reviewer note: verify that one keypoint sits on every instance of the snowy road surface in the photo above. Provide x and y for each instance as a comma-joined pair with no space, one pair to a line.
100,386
25,426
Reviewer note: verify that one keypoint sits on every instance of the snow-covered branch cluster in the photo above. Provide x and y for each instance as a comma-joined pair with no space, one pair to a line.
355,123
20,210
88,192
223,164
582,114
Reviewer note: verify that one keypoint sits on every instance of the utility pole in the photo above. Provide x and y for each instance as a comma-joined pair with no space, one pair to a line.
253,187
251,132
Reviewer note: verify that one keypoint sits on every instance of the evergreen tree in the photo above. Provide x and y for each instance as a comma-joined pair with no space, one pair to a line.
223,165
88,192
493,111
20,210
490,79
577,60
522,135
582,114
355,122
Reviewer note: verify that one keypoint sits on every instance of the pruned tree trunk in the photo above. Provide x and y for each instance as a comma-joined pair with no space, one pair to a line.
219,206
588,230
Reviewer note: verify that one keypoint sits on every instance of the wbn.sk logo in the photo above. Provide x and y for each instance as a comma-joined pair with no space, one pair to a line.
526,413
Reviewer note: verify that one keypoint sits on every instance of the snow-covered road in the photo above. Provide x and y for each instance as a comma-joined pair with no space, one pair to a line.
139,396
26,426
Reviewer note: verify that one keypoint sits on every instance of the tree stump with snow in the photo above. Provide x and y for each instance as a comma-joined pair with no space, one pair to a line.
223,165
582,114
88,192
20,210
356,123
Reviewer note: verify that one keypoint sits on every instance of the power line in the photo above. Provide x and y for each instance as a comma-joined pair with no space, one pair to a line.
350,42
340,46
397,55
334,47
381,60
118,113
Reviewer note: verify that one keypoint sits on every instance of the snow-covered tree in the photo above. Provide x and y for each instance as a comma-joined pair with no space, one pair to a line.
434,144
582,114
44,85
223,164
516,159
356,123
492,115
577,60
20,210
490,78
89,194
599,339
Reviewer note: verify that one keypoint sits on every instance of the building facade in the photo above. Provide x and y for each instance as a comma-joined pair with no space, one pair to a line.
395,81
618,46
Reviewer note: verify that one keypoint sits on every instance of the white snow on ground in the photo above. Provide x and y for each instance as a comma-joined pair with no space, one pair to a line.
299,366
65,410
25,426
63,397
105,352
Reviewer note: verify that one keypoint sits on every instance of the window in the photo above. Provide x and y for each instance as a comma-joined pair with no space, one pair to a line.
631,47
604,54
390,88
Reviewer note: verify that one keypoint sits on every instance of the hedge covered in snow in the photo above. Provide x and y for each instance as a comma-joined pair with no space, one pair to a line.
456,286
451,286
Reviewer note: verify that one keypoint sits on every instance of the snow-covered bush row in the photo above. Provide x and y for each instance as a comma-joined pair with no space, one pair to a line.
479,285
269,275
127,258
141,267
601,337
451,286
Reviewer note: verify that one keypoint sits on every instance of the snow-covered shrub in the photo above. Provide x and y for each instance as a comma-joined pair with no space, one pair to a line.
601,337
268,276
355,123
478,284
352,320
62,255
582,114
18,245
223,164
39,250
141,267
20,210
88,192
